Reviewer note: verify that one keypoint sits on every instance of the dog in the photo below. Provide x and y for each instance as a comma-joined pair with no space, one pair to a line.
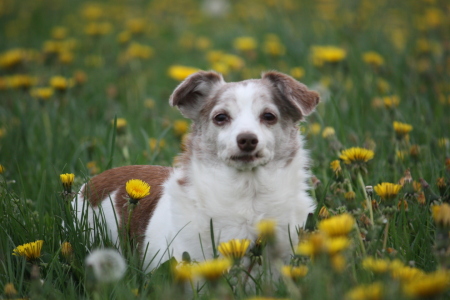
244,161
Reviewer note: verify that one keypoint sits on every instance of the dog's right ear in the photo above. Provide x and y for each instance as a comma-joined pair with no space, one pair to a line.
189,95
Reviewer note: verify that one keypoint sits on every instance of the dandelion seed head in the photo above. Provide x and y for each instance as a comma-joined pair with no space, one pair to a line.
107,265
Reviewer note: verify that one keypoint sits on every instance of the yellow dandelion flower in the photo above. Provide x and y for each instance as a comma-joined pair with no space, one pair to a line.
376,265
335,165
338,262
98,29
212,269
60,83
136,50
350,196
234,249
297,72
327,54
245,43
373,58
67,181
137,189
313,245
294,272
405,274
30,251
180,127
391,101
267,228
156,144
22,81
372,291
336,245
315,128
387,190
401,129
59,32
2,169
428,285
183,271
356,155
444,143
328,132
180,73
441,214
136,26
42,93
273,46
9,290
339,225
66,250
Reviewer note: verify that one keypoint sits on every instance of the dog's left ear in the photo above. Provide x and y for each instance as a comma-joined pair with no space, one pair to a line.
191,93
292,93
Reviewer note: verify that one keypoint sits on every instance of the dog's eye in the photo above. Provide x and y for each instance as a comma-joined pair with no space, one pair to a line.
269,118
221,119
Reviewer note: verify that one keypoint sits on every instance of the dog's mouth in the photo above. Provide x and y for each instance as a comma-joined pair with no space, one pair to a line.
245,158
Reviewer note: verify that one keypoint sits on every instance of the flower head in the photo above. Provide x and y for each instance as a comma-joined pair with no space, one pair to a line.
137,189
42,93
67,181
212,269
294,272
428,285
441,214
234,249
372,291
180,73
2,169
66,250
60,83
375,265
356,155
30,251
373,58
401,129
327,54
107,265
339,225
9,290
335,165
267,228
387,190
183,271
245,43
180,127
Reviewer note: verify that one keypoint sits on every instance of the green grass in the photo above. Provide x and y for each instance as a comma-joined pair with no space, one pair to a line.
41,139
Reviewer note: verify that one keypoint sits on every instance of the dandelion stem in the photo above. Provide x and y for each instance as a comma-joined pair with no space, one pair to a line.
363,248
368,200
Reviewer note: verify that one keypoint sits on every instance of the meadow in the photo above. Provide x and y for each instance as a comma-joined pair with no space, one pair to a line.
84,87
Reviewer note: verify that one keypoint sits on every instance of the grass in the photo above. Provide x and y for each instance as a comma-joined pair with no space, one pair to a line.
77,130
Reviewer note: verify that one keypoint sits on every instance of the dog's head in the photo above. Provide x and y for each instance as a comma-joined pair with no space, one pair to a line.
244,124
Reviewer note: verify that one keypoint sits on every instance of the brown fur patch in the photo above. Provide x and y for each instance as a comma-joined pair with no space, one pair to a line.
115,179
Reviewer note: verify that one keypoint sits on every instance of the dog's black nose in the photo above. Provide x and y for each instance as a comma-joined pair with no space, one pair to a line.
247,141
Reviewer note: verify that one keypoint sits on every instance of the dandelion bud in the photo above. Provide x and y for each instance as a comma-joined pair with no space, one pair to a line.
2,169
67,181
9,290
324,213
350,196
66,250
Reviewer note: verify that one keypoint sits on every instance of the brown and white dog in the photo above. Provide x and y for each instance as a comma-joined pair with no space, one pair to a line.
243,162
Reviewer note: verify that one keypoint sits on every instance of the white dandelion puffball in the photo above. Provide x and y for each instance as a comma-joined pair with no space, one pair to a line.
107,265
